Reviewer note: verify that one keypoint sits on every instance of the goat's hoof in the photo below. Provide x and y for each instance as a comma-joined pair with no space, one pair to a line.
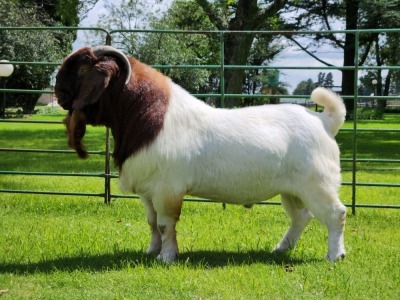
153,250
339,256
281,247
167,257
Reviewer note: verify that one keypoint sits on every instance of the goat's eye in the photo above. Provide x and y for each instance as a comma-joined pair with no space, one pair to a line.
83,70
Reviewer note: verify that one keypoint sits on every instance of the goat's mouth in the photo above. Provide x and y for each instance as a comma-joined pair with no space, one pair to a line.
76,128
64,97
64,101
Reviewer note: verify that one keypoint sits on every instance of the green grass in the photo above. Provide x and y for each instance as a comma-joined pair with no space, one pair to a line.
70,248
55,247
372,145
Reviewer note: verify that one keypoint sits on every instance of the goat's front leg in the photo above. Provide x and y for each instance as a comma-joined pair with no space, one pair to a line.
155,243
168,212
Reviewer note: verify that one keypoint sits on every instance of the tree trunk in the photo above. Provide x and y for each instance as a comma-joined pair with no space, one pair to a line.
383,103
248,16
348,76
237,48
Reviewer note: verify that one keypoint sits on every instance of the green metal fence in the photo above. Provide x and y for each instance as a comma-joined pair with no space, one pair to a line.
107,175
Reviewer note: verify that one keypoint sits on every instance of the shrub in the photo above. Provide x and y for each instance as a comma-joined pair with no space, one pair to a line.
367,113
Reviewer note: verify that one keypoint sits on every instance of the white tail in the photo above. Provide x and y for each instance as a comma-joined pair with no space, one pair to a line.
334,113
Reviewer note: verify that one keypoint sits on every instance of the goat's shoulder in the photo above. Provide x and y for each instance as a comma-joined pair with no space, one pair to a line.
143,73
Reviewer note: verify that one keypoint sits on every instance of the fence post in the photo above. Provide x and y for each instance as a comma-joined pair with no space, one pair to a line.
354,166
222,69
107,172
222,76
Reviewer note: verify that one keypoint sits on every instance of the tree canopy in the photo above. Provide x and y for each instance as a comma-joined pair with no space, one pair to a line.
305,87
350,14
240,48
31,46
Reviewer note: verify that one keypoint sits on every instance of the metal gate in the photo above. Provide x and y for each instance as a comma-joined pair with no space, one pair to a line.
107,175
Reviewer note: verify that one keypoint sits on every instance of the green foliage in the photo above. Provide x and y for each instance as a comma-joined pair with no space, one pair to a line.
368,113
31,46
67,12
304,87
47,110
326,15
263,81
183,49
325,80
165,48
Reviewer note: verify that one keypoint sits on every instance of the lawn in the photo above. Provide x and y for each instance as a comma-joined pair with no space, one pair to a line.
68,247
79,248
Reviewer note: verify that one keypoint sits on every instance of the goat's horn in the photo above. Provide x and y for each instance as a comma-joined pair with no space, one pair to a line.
103,50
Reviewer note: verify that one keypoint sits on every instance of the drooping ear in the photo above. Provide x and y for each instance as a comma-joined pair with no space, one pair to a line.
76,128
94,83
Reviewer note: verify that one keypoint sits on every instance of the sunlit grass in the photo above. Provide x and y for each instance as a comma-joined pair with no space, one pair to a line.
78,248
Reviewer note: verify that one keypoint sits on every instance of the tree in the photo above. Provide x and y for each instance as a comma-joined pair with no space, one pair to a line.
262,81
328,80
160,48
30,46
320,15
325,80
184,49
272,86
385,48
239,48
241,15
65,12
166,48
304,87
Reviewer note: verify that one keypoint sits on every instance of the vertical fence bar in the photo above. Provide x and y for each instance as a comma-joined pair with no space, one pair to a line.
222,76
222,69
4,98
354,165
107,169
107,175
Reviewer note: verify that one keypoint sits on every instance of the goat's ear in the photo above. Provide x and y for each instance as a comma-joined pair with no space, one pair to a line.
94,82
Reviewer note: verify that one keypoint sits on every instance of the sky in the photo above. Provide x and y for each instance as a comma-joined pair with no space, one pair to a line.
289,57
295,57
90,21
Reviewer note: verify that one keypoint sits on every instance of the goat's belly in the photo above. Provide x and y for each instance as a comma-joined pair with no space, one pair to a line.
245,189
245,196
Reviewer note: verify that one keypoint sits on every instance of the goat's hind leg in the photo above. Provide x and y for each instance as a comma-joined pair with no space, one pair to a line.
300,217
327,208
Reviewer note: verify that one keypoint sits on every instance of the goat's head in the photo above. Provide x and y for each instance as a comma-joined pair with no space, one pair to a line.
80,83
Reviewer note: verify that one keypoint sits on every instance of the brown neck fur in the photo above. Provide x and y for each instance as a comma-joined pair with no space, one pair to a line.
135,112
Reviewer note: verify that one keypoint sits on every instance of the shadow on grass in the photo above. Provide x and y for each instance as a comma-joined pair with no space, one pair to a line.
133,259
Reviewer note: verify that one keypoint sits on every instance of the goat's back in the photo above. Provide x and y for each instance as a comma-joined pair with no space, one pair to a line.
239,156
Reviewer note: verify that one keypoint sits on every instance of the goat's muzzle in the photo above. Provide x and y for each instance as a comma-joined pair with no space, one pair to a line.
76,128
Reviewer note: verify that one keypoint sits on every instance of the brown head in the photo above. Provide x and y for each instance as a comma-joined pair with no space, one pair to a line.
101,86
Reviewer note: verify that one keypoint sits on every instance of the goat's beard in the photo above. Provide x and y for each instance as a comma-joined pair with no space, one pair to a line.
76,128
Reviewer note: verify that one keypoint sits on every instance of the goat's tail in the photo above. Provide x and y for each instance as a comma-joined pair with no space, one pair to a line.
334,113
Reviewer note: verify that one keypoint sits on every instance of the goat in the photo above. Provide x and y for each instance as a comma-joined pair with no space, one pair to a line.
169,144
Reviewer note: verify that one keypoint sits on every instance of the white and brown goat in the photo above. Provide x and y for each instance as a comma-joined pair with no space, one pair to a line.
169,144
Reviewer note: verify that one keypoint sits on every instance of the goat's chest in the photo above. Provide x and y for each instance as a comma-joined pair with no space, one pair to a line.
135,173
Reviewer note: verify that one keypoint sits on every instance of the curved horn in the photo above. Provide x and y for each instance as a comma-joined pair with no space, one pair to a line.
103,50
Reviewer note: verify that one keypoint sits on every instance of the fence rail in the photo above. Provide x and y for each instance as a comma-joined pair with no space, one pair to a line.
107,175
